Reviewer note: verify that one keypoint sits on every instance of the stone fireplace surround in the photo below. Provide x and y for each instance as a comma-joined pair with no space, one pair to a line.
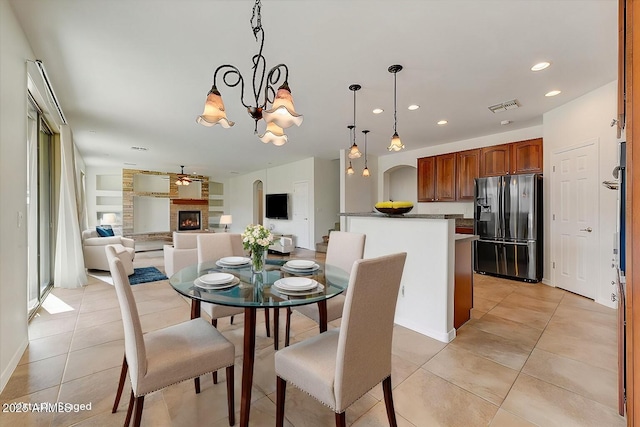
176,204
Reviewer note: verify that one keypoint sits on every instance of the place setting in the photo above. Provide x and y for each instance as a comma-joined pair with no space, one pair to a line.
216,281
300,266
296,286
233,262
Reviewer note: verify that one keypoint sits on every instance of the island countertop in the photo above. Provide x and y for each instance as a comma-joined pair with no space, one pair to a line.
407,215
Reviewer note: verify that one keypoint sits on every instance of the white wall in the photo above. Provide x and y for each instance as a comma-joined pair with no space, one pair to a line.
391,162
14,51
358,193
327,196
584,119
280,179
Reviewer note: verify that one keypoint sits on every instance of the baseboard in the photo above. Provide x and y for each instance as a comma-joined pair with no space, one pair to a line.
445,337
13,363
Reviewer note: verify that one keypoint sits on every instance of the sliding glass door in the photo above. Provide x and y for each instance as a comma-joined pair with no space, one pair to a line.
39,207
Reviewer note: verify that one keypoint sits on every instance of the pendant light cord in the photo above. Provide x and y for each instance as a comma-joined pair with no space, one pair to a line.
354,116
395,105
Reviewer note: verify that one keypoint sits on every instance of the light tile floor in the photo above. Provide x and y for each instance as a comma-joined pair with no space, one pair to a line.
531,355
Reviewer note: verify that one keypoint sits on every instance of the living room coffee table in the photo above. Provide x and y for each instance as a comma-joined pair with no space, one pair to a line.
256,291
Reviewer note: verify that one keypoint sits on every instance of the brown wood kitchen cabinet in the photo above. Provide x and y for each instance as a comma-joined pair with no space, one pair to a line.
437,178
468,168
495,160
526,156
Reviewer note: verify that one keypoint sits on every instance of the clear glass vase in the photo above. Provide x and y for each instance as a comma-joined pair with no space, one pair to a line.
258,258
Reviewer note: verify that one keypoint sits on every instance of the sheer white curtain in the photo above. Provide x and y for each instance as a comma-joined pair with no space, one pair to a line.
32,210
69,264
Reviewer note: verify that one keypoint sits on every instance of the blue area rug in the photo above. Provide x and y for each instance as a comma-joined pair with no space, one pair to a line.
146,274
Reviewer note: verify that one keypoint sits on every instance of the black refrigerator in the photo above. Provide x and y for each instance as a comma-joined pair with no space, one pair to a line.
508,222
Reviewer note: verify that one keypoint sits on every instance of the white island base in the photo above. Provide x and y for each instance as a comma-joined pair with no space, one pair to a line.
426,297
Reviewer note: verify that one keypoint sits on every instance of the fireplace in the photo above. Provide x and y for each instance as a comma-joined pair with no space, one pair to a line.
188,220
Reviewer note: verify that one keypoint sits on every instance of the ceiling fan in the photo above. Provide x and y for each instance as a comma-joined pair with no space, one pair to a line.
183,179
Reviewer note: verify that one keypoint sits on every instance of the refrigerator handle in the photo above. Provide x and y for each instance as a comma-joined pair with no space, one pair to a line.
500,207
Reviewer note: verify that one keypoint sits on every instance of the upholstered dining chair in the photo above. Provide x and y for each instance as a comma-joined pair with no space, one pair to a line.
170,355
212,247
341,365
343,250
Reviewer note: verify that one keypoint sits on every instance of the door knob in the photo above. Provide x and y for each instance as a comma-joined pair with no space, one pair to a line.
588,229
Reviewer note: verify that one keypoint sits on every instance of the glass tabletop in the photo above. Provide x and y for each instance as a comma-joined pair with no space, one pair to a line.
258,290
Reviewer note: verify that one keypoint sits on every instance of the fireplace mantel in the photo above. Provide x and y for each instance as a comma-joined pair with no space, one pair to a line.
190,201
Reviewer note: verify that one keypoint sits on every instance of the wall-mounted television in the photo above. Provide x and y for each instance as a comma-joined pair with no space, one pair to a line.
277,206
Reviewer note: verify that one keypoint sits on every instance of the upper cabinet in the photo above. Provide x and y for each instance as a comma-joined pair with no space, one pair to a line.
427,179
526,156
449,177
495,160
514,158
437,178
468,167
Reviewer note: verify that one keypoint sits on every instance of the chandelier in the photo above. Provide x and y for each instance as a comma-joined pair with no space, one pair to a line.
282,113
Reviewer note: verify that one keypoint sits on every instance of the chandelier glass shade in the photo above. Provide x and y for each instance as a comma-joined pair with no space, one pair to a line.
214,112
282,112
274,134
396,143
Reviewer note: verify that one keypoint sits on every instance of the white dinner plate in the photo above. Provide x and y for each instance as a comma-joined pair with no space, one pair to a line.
300,264
228,285
276,290
216,278
234,260
295,284
305,271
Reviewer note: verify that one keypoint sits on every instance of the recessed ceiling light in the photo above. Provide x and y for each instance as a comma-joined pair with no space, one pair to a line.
442,122
505,122
413,107
552,93
378,111
540,66
140,148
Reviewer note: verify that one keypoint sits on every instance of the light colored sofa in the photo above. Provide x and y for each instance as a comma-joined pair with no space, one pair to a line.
183,252
282,244
93,249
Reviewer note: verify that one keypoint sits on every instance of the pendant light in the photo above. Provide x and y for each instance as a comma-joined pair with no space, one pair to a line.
365,171
354,152
350,170
396,144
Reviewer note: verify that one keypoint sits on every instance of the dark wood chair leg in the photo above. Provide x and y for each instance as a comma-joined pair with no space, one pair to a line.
266,322
287,328
388,401
196,383
230,395
139,406
123,376
231,321
132,401
215,377
276,328
281,388
341,419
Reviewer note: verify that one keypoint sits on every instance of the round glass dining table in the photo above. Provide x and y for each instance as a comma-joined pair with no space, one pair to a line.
256,290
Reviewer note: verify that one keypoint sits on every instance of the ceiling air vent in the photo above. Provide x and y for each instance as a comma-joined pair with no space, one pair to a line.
504,106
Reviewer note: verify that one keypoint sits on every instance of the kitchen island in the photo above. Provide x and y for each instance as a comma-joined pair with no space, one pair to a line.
438,275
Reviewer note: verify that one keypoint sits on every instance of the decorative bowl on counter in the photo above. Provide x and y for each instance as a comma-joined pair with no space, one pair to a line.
394,208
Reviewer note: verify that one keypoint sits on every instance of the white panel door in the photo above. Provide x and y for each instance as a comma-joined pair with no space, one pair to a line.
574,215
301,214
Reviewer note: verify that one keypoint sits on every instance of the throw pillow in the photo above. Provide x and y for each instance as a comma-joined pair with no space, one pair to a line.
104,231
